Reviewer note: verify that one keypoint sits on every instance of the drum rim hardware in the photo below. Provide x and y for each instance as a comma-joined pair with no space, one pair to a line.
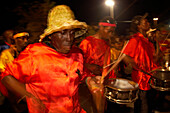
158,83
121,92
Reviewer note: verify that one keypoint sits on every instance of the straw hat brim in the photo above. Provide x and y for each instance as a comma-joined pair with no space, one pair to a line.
67,25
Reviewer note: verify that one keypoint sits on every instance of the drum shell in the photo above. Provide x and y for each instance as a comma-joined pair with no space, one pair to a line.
161,80
118,95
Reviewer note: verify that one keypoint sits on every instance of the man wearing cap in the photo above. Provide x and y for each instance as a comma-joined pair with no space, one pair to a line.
51,70
7,56
97,46
139,53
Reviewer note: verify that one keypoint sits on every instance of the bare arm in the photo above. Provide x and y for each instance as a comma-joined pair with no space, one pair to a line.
129,61
15,86
94,68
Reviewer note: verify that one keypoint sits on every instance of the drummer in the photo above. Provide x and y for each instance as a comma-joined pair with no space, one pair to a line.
96,51
139,53
96,46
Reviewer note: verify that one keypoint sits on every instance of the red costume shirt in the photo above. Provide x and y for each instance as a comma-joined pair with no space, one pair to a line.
94,51
50,76
141,51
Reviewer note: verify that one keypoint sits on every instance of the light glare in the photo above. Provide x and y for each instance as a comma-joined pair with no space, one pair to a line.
155,18
109,2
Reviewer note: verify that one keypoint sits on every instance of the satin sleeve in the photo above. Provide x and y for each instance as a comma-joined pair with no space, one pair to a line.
20,68
85,47
131,48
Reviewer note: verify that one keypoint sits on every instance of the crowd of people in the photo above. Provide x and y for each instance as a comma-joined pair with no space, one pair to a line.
46,76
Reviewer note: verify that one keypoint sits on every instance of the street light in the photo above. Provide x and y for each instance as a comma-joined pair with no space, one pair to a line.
155,22
111,4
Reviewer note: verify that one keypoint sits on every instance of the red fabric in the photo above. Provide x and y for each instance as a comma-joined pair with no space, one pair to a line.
141,50
107,24
3,89
94,51
50,76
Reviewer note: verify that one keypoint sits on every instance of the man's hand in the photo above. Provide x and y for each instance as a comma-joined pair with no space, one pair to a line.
94,84
96,88
94,68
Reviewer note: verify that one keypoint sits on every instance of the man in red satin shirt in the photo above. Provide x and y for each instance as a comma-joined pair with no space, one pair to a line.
52,69
139,53
96,47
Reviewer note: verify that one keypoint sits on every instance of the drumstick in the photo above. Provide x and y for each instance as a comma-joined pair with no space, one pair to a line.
155,69
147,73
123,49
106,57
120,59
116,63
119,55
105,62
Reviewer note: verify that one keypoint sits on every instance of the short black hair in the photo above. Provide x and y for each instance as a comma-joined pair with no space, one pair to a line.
108,19
135,22
20,30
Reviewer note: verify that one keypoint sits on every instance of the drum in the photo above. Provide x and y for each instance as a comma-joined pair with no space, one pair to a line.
167,61
160,80
121,91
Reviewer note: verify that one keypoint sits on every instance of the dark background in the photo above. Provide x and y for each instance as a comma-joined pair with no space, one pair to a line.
91,11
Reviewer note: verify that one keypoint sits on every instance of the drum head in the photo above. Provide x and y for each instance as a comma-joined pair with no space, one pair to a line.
121,91
121,84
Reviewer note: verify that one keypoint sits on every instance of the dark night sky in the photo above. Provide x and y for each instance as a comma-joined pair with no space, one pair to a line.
92,11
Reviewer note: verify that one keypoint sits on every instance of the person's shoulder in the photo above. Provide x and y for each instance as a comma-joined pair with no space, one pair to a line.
76,49
35,46
87,40
134,39
5,51
7,54
135,36
89,37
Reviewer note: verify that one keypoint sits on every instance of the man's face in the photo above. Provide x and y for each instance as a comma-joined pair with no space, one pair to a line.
107,32
144,25
21,42
63,40
8,34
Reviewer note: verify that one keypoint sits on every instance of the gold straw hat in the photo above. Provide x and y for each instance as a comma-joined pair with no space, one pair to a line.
60,18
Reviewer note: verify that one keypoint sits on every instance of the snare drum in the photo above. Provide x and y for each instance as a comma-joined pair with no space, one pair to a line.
121,91
160,80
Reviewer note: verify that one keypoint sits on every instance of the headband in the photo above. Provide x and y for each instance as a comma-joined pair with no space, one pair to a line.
20,35
107,24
